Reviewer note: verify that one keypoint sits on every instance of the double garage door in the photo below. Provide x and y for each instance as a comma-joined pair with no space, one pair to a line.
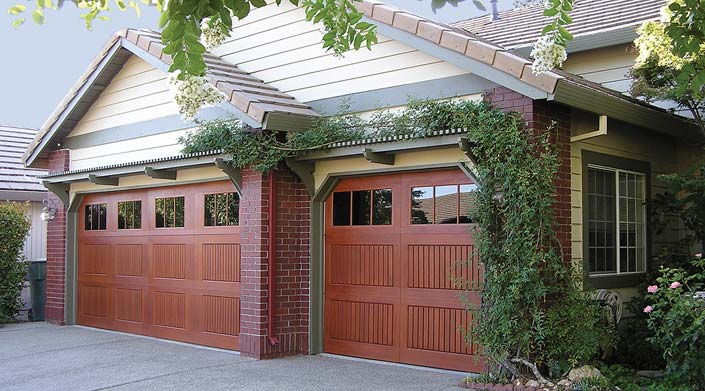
165,262
162,262
399,252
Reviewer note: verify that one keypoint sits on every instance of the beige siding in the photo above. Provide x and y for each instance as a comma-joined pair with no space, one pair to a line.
35,245
608,66
142,148
277,45
139,92
664,154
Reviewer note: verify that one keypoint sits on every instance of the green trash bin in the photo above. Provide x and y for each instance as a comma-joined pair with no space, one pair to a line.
37,288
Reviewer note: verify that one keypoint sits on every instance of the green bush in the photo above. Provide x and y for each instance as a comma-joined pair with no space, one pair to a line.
677,318
14,227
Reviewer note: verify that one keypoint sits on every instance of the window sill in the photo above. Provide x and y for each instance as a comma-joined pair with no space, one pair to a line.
615,281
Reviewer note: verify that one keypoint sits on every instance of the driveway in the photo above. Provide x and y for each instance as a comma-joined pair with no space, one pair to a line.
40,356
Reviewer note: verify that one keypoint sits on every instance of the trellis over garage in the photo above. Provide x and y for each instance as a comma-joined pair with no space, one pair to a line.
362,234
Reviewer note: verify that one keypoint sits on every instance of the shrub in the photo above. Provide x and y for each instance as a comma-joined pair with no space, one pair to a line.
13,230
677,318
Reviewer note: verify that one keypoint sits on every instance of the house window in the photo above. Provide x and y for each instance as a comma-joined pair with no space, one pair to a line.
130,215
447,204
616,221
222,209
362,207
96,217
169,212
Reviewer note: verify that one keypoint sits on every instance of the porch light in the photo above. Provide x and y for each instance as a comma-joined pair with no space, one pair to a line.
48,213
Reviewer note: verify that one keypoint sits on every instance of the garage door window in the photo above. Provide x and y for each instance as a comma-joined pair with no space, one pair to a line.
222,209
362,207
169,212
130,215
96,217
446,204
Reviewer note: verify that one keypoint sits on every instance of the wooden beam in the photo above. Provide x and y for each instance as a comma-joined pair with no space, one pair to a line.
233,173
379,157
466,146
61,190
305,171
160,174
103,180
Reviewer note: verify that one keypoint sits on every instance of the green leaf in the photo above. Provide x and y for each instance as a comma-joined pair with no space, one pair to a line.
17,9
565,18
258,3
479,5
18,22
550,12
163,19
565,33
38,16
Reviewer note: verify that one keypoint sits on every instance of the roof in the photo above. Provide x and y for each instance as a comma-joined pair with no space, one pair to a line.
520,27
256,102
14,177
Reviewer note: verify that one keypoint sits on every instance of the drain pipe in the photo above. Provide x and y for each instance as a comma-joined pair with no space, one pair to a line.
272,217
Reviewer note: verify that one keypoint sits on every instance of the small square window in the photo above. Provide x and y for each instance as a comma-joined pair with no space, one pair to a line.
96,217
362,207
361,204
169,212
341,208
445,204
130,215
221,209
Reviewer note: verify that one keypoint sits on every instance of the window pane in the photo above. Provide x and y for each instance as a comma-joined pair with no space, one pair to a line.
121,215
179,205
468,204
233,209
208,209
137,215
382,207
159,213
601,221
103,213
341,208
361,204
446,204
88,218
421,205
632,222
221,208
129,214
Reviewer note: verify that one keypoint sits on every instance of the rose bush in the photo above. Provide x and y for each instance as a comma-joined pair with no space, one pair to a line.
677,317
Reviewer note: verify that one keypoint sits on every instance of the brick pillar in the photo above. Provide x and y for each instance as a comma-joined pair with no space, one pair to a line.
292,265
56,245
538,115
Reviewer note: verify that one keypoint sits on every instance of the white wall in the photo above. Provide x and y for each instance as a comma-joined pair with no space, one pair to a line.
35,246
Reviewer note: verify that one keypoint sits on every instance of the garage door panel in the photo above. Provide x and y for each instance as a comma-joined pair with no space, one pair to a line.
369,264
174,283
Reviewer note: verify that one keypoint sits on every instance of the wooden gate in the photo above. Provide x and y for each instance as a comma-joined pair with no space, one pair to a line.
393,245
163,262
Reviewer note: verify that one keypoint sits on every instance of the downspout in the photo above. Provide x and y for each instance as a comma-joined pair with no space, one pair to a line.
271,259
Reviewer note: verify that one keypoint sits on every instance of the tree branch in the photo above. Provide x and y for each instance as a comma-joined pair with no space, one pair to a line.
532,367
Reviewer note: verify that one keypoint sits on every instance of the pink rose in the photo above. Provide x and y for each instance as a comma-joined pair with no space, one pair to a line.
648,309
675,285
699,255
652,289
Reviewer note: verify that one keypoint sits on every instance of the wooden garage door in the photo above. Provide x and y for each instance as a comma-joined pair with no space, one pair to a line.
393,244
145,268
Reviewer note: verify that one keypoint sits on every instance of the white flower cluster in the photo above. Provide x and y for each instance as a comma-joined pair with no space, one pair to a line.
193,93
212,36
547,54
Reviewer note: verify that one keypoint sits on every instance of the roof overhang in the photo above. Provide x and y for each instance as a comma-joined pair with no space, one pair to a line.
21,195
593,40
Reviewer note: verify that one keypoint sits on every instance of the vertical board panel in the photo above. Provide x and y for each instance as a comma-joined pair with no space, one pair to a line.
221,262
169,261
128,259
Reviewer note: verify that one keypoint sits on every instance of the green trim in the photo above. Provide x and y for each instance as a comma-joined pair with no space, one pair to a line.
595,158
317,295
70,279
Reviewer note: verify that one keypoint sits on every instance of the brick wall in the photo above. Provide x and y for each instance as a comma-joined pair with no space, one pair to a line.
538,115
56,245
292,265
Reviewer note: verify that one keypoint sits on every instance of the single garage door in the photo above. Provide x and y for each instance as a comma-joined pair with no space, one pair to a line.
163,262
393,245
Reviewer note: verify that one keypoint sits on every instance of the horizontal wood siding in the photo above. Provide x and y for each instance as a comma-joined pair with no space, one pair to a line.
608,66
277,45
139,92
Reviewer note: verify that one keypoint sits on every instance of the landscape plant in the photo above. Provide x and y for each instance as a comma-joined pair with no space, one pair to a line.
14,227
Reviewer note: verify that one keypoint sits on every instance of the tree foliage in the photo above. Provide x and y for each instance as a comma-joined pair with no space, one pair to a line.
14,227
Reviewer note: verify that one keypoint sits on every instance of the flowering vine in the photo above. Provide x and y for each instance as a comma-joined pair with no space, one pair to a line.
549,50
193,93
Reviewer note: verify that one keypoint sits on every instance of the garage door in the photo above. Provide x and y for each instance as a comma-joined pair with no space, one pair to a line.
393,245
163,262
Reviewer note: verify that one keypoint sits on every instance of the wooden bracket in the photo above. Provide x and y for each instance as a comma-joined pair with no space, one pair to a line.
233,173
305,171
61,190
160,174
466,146
103,180
379,157
601,131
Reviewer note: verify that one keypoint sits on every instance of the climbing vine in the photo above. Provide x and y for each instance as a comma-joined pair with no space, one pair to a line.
534,319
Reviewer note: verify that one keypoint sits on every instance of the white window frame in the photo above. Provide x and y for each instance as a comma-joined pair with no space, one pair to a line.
618,255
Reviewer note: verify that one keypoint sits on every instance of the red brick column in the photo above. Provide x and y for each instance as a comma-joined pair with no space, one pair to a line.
538,115
292,265
56,245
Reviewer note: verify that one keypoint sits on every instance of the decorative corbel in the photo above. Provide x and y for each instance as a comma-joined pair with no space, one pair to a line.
233,173
379,157
305,172
61,190
160,174
103,180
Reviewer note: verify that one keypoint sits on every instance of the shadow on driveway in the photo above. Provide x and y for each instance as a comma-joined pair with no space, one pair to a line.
40,356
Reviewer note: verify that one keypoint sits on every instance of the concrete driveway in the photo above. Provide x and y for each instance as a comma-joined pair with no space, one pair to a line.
40,356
